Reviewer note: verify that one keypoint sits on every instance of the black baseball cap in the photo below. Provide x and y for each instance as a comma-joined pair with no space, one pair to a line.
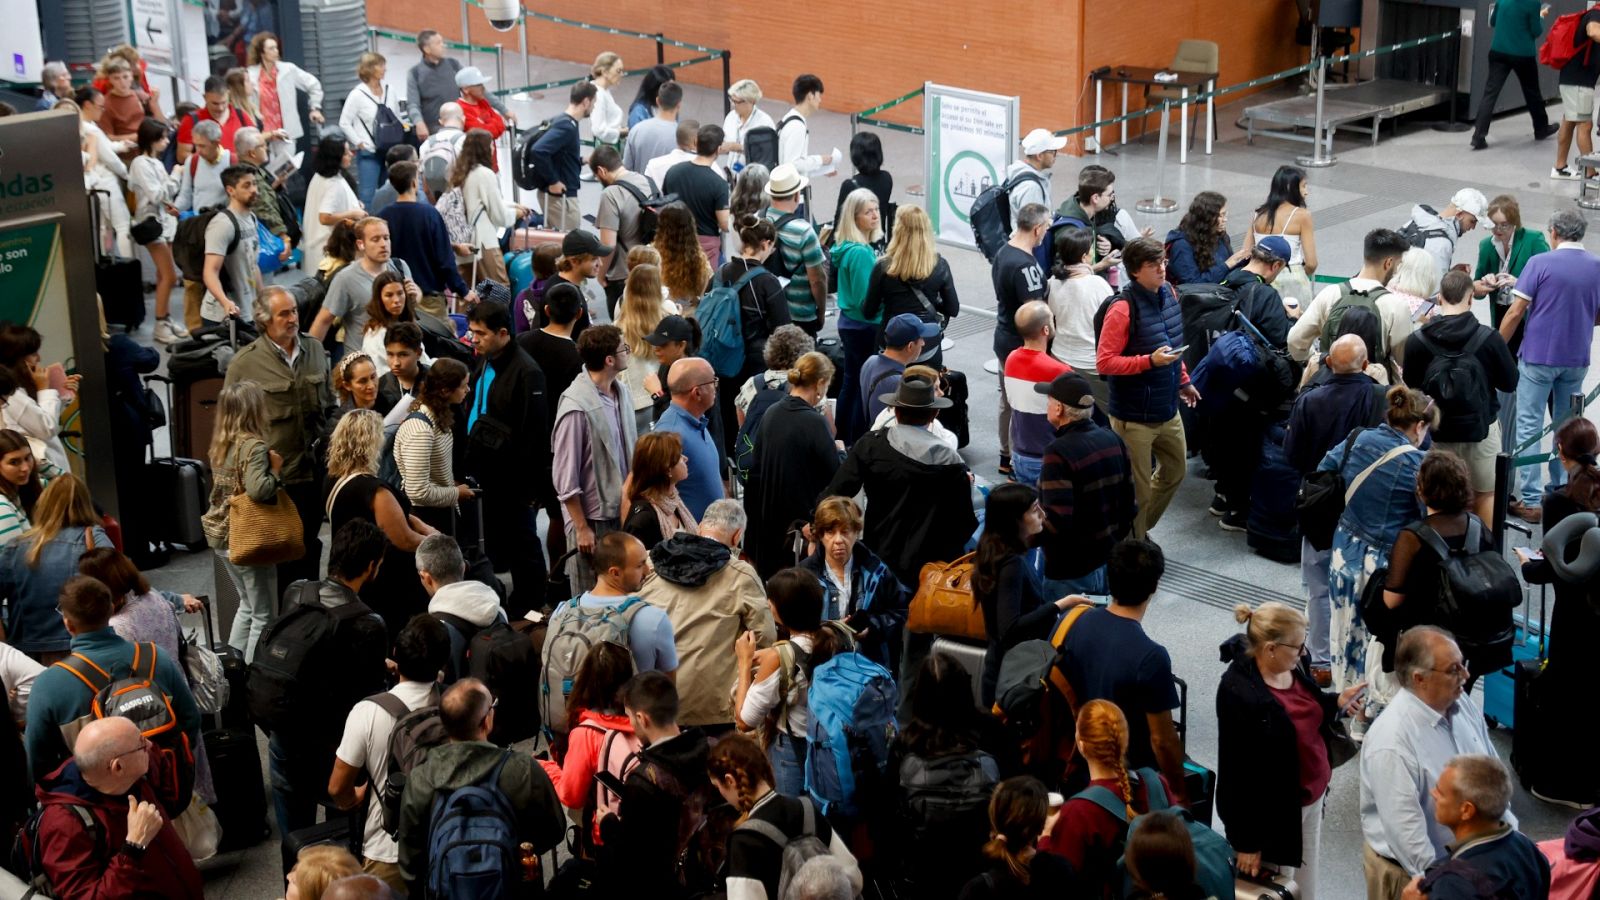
1071,389
671,329
581,243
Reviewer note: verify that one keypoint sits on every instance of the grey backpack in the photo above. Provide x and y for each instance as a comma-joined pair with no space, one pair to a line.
573,632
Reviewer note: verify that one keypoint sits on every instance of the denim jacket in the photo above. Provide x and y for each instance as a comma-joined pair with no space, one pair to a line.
1387,500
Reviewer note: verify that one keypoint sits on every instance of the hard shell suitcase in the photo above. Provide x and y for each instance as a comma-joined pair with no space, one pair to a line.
970,654
185,489
533,238
1266,886
335,830
117,279
1199,782
235,759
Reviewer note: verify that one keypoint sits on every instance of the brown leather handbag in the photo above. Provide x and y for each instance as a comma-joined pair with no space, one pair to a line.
944,604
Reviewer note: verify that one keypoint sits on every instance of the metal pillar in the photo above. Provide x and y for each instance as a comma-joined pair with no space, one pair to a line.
1158,203
1320,156
727,82
466,30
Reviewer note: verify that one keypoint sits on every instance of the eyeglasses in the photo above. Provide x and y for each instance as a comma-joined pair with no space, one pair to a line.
1455,670
1299,649
624,350
144,744
705,384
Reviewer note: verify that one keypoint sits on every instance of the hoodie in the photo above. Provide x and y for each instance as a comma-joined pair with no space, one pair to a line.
81,862
666,775
574,777
1439,235
1451,334
710,598
472,601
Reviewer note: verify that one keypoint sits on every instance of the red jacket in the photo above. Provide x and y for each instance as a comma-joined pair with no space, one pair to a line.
479,114
92,864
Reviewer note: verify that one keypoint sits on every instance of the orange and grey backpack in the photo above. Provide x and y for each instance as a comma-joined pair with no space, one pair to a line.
136,697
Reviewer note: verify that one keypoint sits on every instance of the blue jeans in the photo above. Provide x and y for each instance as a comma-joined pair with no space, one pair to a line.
258,593
1536,386
1314,575
858,340
369,169
788,757
1092,584
1025,469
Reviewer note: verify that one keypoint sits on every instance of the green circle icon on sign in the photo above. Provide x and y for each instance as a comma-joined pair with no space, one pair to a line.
967,175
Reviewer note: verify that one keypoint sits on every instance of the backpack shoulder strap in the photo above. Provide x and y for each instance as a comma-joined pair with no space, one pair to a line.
1059,635
767,830
1428,344
1477,340
634,189
808,818
1349,444
747,277
1154,794
1105,799
391,704
93,677
1380,462
150,660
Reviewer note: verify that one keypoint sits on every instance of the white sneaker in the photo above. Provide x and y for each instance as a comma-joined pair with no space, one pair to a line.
164,333
178,331
1563,174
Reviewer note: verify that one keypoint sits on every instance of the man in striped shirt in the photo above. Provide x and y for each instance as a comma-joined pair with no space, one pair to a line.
1027,367
1086,489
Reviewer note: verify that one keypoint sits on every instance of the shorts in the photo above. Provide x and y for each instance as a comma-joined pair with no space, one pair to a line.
1479,457
1577,102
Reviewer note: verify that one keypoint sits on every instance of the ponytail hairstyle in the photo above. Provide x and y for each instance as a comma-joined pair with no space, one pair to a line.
1578,441
797,598
1269,623
1408,406
742,759
1016,820
1103,739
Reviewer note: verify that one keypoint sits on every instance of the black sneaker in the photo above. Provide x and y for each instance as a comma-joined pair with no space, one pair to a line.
1561,801
1233,521
1219,505
1005,466
1479,143
1545,132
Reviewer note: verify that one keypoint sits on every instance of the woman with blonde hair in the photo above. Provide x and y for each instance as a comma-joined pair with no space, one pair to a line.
608,120
795,458
913,278
241,99
317,867
1024,865
685,271
356,492
859,226
1275,733
657,512
1089,834
33,568
242,462
424,446
638,313
359,120
1415,279
745,113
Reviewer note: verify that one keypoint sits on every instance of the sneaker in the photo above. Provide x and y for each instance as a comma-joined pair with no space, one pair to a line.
1219,505
1479,143
1550,798
1233,521
178,331
1545,132
1005,466
164,333
1563,174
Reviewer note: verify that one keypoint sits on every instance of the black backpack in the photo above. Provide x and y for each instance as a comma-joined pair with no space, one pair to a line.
1105,308
744,444
990,215
1418,236
415,732
1478,591
649,207
298,657
775,263
1207,309
523,171
505,657
189,244
1456,380
938,793
761,147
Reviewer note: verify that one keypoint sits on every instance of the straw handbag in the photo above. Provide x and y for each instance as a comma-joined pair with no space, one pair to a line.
264,533
944,604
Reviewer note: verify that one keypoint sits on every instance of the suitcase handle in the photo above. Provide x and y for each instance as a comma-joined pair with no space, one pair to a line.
164,380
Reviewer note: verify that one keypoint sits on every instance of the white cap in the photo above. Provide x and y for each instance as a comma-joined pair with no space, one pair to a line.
470,76
1039,140
1471,201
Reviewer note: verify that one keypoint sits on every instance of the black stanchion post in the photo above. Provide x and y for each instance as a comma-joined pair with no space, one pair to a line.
661,49
1577,405
727,81
1451,124
1502,496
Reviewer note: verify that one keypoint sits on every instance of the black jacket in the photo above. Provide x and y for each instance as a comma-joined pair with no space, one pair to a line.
794,459
892,296
1261,304
654,793
1451,334
1326,414
878,601
509,446
917,512
1258,762
390,391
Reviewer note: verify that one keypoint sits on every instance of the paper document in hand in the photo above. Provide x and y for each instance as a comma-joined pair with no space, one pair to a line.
282,160
831,167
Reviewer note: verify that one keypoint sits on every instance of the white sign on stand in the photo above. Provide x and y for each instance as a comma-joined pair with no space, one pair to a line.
971,140
153,23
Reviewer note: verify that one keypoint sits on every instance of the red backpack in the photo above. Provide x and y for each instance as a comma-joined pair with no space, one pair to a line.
1561,45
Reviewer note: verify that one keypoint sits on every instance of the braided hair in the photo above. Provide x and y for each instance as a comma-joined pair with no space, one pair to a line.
1103,740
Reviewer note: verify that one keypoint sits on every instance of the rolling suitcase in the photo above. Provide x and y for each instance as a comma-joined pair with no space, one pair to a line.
334,830
184,484
955,417
1266,886
235,759
117,279
1531,738
970,655
1272,528
1499,687
1199,782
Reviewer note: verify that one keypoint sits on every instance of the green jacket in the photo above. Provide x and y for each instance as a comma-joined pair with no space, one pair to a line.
540,819
299,400
1525,245
854,261
266,206
1517,27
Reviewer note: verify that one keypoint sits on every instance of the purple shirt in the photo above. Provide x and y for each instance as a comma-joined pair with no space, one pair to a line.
573,470
1562,288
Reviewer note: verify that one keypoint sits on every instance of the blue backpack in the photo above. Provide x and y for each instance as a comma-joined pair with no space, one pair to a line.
472,847
722,326
388,469
1232,362
1213,857
852,702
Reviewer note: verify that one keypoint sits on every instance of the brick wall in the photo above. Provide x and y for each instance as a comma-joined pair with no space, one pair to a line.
869,53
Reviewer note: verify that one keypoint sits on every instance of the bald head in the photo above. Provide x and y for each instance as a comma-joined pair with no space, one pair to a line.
1032,319
1348,355
688,372
465,710
358,887
450,114
107,753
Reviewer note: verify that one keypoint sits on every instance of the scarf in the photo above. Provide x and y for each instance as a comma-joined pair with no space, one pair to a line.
672,515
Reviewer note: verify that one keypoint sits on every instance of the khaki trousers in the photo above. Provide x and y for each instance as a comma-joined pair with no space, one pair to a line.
1159,464
1385,878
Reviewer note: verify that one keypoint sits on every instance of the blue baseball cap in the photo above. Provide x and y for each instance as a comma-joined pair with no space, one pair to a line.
1275,245
905,328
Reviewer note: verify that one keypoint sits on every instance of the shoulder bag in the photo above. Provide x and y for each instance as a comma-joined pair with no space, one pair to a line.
944,603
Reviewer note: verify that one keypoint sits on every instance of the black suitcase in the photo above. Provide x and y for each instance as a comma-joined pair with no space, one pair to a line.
335,830
118,279
237,713
241,792
1272,527
1529,739
955,416
186,490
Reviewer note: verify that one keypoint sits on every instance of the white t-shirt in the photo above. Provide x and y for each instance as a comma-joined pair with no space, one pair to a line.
1074,303
365,745
17,672
762,698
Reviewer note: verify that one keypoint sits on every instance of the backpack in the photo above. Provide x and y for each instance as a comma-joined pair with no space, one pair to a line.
744,443
1105,308
1478,591
1036,702
1458,383
649,207
1045,253
990,214
1207,310
296,658
852,725
1230,363
472,842
938,793
1561,44
25,861
722,323
1350,298
415,732
439,154
523,171
761,147
505,657
1419,236
1213,856
705,821
775,262
388,468
189,244
452,207
135,696
573,632
807,840
386,130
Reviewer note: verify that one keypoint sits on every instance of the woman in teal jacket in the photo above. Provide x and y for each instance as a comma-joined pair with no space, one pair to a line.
1501,255
858,227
